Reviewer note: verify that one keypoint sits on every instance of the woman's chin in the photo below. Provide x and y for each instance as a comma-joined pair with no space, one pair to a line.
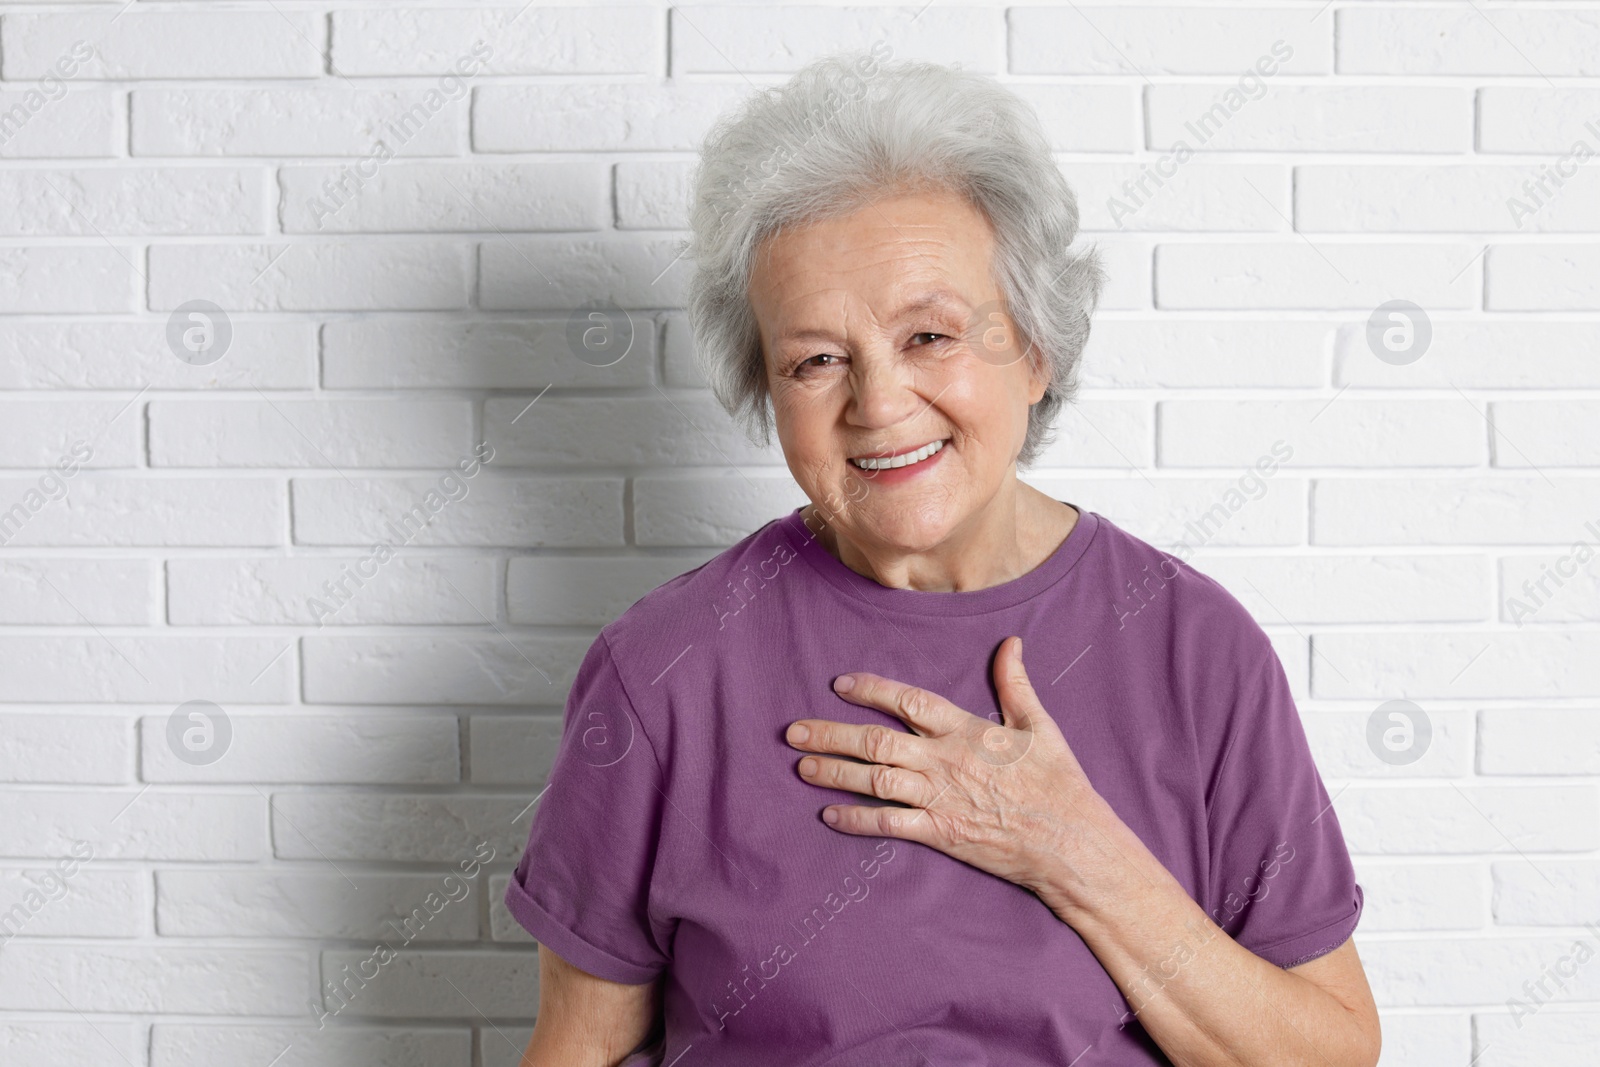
904,525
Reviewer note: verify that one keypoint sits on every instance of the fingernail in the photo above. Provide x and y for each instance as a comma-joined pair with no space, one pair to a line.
799,733
830,816
844,683
808,766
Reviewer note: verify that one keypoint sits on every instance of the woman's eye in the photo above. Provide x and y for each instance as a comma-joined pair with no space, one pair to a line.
804,363
925,334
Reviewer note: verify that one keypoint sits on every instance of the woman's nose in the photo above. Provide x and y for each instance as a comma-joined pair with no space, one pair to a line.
884,390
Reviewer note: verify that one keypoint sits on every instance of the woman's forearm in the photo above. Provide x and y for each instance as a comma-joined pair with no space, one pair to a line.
1204,998
585,1021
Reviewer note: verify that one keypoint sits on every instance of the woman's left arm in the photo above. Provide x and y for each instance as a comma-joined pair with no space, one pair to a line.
1204,998
1014,801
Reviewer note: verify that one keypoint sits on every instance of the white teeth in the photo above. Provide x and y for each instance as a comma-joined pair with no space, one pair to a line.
899,461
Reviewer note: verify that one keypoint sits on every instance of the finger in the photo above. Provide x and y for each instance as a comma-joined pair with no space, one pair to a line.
906,824
870,779
1019,703
874,742
926,712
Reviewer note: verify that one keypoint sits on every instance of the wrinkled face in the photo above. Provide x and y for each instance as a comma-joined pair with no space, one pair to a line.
884,334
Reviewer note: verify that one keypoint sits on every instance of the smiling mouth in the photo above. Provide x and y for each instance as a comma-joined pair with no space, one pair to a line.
904,459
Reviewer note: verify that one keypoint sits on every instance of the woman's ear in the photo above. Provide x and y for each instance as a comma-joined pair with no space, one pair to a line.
1039,375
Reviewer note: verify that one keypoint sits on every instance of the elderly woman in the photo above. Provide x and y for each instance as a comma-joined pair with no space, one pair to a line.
798,816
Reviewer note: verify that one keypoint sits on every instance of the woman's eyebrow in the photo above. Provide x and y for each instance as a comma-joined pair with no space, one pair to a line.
940,299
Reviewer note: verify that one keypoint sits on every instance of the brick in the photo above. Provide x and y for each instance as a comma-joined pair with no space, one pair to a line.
782,38
83,278
1472,354
1515,509
433,197
679,369
42,123
1102,433
393,827
168,44
598,117
653,195
1194,511
506,40
502,1045
684,429
1309,118
1413,1037
1457,665
1126,262
503,926
1562,1038
187,1045
1166,40
1351,587
1546,892
1547,44
1413,897
144,511
50,1043
515,511
1545,433
513,750
1562,586
529,352
73,591
1467,972
362,749
1192,196
312,277
561,274
39,433
1542,278
711,509
325,121
497,669
1448,818
1301,276
1085,118
330,590
586,591
1323,433
1338,741
132,200
308,433
1438,199
315,904
68,355
158,669
487,984
78,899
147,978
1544,120
1539,741
49,746
1180,352
145,824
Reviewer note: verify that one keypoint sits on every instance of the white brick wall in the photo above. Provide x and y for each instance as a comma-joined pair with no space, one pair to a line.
207,532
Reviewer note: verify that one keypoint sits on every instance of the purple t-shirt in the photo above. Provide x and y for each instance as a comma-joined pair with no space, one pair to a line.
676,835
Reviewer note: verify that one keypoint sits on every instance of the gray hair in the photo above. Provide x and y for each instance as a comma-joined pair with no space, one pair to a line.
843,129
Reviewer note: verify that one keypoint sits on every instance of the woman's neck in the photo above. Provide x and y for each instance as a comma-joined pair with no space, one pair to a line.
999,544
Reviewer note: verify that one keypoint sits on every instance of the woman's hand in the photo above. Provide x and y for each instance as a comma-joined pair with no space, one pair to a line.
1010,799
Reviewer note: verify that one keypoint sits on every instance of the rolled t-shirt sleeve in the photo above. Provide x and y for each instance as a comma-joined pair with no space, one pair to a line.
582,887
1282,883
